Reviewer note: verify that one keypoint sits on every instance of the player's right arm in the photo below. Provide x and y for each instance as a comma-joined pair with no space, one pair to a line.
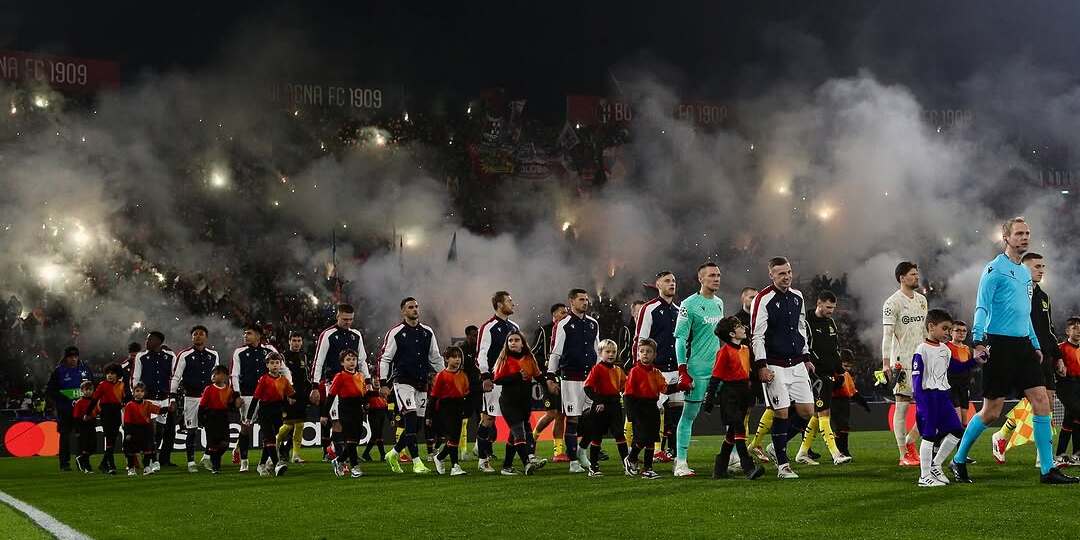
319,364
644,328
889,322
177,371
234,371
683,324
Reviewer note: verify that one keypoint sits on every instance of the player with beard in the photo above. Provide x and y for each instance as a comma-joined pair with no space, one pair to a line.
825,345
340,337
492,338
409,361
903,316
575,343
1002,326
657,322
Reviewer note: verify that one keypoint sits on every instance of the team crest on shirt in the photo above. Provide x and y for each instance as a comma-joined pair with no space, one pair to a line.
776,401
1046,305
820,404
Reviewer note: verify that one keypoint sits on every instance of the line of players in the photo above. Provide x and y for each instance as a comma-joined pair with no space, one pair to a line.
259,384
684,358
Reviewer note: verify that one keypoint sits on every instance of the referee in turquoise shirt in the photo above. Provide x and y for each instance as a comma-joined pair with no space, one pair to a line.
1002,328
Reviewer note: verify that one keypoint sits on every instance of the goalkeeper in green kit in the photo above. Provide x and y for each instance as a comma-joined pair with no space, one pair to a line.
695,348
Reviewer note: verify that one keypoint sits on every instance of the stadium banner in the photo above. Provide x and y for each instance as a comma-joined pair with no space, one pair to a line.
356,97
949,118
597,110
23,438
59,72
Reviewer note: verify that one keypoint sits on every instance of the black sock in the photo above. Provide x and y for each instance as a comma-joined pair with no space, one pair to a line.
215,461
842,442
1063,440
722,460
635,451
1076,437
745,460
192,436
273,454
780,438
350,449
337,442
508,456
594,455
622,449
523,452
453,454
244,444
483,446
648,459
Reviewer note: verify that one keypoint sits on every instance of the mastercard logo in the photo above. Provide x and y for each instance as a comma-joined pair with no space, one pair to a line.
25,439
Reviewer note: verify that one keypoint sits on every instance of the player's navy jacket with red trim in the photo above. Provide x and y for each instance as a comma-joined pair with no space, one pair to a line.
657,322
574,345
779,326
154,369
192,370
490,342
328,349
248,365
410,355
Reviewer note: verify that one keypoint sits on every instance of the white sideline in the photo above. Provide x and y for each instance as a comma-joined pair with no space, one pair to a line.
43,520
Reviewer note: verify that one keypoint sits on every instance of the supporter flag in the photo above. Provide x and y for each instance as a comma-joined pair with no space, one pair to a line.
452,254
1025,429
568,138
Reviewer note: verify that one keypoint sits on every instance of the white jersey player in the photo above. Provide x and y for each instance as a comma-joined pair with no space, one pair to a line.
903,319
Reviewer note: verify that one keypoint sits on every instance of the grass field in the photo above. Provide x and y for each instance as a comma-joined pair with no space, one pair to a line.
869,498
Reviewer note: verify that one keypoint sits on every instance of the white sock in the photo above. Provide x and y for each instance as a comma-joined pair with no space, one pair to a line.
948,444
680,463
899,424
912,435
926,457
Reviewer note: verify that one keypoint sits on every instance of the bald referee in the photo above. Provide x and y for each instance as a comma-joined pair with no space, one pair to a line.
1003,328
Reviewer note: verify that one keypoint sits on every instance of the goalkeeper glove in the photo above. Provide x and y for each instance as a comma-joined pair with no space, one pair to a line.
685,381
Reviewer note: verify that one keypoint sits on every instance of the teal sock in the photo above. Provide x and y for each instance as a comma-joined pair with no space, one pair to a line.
686,425
974,429
1043,438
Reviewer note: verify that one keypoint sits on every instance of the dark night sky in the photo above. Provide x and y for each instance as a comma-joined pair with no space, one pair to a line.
709,49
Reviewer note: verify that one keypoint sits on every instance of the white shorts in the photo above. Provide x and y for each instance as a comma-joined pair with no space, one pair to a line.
491,401
671,377
161,417
574,400
191,412
789,385
245,405
410,399
333,409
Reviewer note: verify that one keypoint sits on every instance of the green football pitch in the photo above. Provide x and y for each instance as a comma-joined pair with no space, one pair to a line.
869,498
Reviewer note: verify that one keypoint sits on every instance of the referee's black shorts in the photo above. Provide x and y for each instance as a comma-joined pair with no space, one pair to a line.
1049,370
1013,366
823,395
